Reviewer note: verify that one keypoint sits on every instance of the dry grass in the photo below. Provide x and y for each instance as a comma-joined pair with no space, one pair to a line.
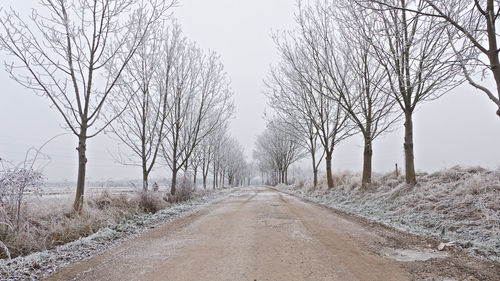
48,223
151,202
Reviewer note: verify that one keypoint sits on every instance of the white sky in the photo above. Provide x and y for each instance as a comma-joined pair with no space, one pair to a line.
460,128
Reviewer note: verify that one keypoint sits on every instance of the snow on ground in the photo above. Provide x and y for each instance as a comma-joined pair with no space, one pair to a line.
457,204
39,265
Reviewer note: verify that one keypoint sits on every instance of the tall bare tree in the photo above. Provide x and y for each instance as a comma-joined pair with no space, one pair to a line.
63,54
472,34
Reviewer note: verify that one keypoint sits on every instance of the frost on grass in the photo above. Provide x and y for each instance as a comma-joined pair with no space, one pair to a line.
41,264
457,204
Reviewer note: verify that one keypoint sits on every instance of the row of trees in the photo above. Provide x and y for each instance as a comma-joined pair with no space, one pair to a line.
359,67
125,67
276,150
178,98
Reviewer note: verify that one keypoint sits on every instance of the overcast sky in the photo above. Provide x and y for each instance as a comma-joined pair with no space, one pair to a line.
460,128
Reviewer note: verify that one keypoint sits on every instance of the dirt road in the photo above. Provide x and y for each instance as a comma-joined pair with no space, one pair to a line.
261,234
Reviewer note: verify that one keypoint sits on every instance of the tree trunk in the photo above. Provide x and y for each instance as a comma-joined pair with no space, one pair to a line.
408,146
315,177
174,179
144,177
329,176
493,48
367,163
143,152
82,164
315,170
195,171
215,176
204,172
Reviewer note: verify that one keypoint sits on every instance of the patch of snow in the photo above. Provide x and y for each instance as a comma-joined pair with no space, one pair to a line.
413,254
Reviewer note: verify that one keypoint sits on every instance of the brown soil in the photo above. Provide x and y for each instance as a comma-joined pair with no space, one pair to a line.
261,234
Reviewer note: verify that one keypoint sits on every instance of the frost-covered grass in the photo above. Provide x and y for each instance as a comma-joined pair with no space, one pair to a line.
49,222
39,264
457,204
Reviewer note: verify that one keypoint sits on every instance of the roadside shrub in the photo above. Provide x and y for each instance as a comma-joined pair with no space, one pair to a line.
150,202
184,192
15,182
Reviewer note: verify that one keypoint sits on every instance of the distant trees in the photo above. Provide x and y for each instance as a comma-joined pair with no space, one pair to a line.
234,162
290,100
180,101
276,149
65,55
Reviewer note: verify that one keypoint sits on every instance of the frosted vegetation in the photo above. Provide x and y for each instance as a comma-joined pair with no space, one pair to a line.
458,204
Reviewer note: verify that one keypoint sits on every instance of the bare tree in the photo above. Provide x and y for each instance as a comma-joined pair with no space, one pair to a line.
62,54
145,85
472,34
415,55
